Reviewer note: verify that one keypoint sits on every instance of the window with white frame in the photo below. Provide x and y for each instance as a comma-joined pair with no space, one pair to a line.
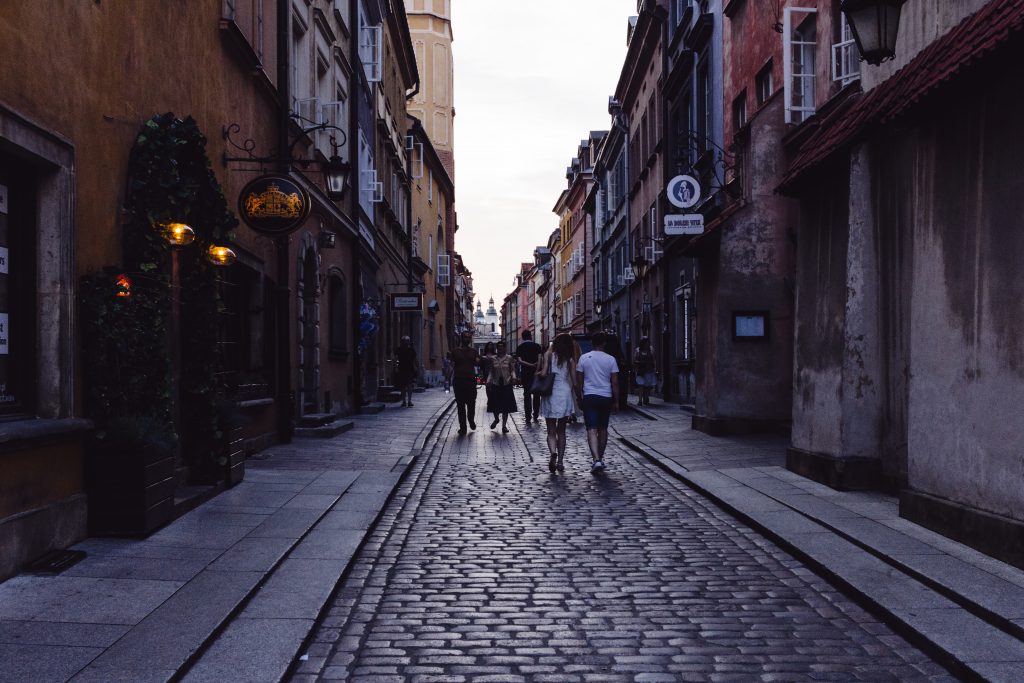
444,269
798,44
371,51
430,187
845,61
302,85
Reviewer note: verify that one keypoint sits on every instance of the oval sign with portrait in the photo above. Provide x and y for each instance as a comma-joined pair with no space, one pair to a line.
273,204
683,191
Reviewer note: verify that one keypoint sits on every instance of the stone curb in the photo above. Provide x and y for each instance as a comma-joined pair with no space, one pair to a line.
215,658
930,615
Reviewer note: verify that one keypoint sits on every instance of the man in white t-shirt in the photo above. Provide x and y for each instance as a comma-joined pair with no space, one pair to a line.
597,382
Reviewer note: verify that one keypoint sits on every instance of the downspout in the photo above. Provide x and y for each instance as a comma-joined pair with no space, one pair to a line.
355,189
668,314
283,397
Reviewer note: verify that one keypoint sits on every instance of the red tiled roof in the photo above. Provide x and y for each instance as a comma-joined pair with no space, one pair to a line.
942,61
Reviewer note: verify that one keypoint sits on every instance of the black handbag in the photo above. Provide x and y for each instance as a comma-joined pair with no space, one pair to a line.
543,385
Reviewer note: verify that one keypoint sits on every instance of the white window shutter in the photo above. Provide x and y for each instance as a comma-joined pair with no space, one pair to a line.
845,62
794,113
370,51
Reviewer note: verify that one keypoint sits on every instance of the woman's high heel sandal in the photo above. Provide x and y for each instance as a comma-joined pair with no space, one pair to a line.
551,464
559,466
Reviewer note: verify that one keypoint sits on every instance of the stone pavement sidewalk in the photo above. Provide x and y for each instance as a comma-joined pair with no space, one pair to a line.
253,566
963,607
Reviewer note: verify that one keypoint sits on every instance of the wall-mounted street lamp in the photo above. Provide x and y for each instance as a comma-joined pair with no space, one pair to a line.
336,171
875,24
639,264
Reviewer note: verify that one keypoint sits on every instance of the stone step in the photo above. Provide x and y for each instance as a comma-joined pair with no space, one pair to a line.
325,431
316,419
371,409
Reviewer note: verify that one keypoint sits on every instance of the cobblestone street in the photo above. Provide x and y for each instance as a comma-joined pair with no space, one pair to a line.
485,567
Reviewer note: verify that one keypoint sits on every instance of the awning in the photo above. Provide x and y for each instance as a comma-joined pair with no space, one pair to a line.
964,48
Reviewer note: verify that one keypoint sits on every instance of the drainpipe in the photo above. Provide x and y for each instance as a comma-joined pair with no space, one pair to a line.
283,399
355,187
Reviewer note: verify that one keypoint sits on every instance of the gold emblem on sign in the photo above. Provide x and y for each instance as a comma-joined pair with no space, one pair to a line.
273,203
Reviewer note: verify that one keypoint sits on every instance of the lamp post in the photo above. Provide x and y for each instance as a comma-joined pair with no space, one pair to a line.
640,266
875,24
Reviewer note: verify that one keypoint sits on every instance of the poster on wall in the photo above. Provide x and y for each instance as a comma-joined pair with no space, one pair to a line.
4,343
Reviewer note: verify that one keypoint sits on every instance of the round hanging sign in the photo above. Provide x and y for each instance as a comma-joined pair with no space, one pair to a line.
273,204
683,191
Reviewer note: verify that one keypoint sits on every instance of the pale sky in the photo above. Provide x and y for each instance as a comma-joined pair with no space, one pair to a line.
532,79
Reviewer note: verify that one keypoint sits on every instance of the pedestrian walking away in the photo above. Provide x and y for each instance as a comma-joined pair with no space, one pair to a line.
465,360
406,370
446,371
529,353
559,406
646,374
500,379
486,360
597,381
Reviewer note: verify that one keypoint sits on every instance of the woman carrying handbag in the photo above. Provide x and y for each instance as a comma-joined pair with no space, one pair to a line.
559,364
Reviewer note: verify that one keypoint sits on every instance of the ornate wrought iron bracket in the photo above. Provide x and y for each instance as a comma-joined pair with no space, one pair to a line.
248,145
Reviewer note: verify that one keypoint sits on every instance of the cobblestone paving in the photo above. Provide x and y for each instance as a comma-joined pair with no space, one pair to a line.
487,568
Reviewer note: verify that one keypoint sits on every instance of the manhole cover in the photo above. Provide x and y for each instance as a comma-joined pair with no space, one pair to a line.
55,561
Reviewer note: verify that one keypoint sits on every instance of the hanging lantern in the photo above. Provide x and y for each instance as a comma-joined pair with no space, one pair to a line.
336,174
179,234
220,255
875,24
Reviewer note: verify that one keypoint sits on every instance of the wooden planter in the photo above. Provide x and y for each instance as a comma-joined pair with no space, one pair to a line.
130,491
234,454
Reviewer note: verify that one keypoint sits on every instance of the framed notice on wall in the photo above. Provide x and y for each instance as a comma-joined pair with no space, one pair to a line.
749,325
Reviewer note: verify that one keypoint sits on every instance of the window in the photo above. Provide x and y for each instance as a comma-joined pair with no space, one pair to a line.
17,294
302,85
430,187
763,83
704,107
739,111
845,62
371,45
798,46
443,269
338,314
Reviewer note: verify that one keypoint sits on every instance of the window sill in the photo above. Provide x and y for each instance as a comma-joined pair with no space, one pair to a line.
33,432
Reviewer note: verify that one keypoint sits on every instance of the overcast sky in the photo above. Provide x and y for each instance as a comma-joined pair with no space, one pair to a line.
532,78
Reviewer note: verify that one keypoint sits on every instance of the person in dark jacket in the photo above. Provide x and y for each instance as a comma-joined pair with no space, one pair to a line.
406,370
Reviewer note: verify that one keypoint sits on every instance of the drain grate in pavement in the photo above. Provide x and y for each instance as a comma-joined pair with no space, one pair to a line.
55,561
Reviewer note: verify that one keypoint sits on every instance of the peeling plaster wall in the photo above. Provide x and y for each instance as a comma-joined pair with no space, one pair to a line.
967,339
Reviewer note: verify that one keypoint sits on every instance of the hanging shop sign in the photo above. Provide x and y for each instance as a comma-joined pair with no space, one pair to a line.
273,204
406,302
683,191
684,224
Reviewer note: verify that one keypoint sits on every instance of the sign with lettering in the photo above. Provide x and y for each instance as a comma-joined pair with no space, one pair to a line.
684,224
407,302
273,204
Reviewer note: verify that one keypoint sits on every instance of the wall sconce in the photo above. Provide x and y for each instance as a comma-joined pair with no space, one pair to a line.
179,234
875,24
220,255
328,239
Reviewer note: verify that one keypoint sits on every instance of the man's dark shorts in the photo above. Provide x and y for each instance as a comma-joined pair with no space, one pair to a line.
596,411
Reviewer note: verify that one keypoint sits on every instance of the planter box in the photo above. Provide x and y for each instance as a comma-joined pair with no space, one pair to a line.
234,453
131,492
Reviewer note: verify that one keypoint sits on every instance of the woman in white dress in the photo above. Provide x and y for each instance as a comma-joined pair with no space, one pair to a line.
560,361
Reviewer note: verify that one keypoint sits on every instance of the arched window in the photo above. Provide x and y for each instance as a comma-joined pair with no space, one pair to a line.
338,313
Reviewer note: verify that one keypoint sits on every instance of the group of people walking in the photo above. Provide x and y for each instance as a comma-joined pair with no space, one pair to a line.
571,383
